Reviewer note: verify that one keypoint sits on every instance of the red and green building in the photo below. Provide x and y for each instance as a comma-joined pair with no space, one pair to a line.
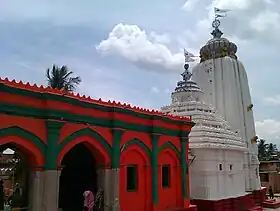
73,143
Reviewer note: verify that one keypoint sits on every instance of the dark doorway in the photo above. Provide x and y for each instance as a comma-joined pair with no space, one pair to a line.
15,172
78,175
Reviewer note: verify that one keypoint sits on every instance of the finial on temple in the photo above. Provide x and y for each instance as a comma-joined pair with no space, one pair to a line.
219,13
188,58
186,74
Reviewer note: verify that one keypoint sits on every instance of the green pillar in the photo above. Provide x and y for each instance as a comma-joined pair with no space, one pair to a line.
154,163
184,166
116,153
52,149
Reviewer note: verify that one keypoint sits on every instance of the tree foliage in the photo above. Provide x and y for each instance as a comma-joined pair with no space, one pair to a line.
267,151
60,78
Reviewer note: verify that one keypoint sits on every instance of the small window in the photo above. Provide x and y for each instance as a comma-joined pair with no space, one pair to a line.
165,176
220,167
131,178
230,167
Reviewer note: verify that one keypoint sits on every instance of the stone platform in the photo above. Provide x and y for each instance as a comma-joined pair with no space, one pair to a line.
249,202
271,205
190,208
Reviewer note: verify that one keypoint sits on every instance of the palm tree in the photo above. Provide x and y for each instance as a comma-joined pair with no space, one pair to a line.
60,78
262,149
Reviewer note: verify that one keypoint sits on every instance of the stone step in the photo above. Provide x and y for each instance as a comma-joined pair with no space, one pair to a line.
258,208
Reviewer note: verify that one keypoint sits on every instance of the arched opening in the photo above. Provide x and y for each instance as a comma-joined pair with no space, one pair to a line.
79,174
17,165
169,178
135,177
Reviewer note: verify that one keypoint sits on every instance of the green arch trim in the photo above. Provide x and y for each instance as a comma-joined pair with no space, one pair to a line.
138,142
89,132
168,144
24,134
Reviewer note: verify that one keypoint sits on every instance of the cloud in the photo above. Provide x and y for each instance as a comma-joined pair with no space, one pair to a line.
155,89
160,38
190,4
247,20
250,19
268,129
133,44
272,101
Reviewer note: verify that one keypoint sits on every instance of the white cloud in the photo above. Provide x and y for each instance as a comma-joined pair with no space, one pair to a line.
132,43
272,101
265,20
268,129
190,4
155,89
160,38
232,5
251,20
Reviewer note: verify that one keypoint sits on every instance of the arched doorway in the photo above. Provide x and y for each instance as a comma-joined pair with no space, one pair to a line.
169,178
79,174
20,159
135,177
15,171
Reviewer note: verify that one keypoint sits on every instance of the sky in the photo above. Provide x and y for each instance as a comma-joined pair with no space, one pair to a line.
131,51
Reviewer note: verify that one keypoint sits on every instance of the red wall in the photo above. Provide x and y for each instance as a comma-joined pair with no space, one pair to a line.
170,197
141,199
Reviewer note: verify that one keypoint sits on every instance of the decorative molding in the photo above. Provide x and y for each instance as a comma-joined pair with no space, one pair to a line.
47,93
53,114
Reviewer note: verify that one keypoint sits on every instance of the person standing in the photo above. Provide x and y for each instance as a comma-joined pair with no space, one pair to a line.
270,191
88,201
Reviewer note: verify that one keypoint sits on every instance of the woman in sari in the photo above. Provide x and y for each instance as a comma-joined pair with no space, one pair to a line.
88,201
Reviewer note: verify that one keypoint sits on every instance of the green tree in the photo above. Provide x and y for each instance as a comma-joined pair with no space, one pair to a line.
267,151
272,149
262,149
60,78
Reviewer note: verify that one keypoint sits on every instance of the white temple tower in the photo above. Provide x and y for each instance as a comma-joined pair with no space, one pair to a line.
223,79
217,170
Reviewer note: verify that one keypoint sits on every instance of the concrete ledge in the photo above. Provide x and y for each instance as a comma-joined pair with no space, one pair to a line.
259,208
271,203
190,208
251,201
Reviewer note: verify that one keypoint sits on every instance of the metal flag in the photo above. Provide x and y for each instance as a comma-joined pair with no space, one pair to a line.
220,16
218,10
188,56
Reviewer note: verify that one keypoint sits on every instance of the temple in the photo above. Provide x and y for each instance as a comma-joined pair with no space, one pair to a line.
224,81
218,151
72,143
223,157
